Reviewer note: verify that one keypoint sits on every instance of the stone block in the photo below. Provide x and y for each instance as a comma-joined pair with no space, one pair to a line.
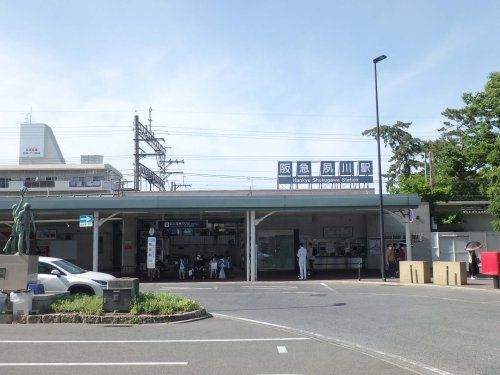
16,271
91,319
42,302
6,318
125,283
414,272
51,318
20,319
34,319
449,273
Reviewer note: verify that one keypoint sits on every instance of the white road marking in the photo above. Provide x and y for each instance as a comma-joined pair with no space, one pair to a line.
184,288
404,363
329,288
150,341
17,364
270,286
282,350
431,297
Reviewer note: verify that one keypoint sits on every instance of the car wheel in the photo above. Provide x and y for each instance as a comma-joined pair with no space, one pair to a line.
82,290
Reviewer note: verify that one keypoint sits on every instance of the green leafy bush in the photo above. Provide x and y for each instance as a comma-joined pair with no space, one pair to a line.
146,303
79,303
162,304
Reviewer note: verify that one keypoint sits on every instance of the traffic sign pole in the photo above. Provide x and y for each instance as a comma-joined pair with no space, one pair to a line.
95,248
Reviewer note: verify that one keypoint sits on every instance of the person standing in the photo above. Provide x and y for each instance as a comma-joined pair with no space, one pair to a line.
400,256
473,264
390,261
302,260
213,268
182,269
311,256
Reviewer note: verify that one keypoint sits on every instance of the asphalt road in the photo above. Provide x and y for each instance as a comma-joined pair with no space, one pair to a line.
291,328
427,329
211,346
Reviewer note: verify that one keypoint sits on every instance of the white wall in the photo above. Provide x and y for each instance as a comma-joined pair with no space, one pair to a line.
84,238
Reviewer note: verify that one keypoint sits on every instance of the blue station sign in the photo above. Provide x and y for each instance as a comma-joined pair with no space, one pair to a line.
330,172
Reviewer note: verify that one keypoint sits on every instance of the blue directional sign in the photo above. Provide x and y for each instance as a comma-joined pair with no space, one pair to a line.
86,221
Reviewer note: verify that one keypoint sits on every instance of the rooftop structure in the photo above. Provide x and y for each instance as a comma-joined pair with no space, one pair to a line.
43,170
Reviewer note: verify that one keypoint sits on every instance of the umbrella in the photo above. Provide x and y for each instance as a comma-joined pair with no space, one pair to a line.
473,246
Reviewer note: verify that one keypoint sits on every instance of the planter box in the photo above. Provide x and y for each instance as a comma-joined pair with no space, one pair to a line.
449,273
413,272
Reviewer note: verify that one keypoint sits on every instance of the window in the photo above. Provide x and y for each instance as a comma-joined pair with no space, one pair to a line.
69,267
45,268
4,182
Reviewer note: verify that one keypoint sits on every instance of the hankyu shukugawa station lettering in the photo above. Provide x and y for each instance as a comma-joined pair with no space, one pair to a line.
330,172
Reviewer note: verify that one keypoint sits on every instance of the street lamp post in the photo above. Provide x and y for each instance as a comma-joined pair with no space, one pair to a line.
381,198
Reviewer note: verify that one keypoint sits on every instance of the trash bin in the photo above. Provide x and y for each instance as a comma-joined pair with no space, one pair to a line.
36,288
491,265
21,302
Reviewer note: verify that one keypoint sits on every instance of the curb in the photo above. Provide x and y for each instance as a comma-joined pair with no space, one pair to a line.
107,319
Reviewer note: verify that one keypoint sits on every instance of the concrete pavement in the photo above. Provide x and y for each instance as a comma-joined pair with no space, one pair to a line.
450,330
212,346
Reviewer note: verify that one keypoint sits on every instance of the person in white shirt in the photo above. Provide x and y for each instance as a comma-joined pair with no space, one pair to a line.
302,258
213,268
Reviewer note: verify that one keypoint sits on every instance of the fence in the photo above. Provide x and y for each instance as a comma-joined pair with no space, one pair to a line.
450,246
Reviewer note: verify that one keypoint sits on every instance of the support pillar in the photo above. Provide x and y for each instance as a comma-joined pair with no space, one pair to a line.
253,246
247,243
409,255
95,247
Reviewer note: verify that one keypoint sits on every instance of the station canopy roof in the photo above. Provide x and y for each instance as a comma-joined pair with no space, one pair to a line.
217,200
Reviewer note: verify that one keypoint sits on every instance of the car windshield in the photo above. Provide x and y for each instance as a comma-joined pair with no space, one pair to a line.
69,267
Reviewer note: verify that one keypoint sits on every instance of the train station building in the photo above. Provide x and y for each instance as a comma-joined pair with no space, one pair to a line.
265,225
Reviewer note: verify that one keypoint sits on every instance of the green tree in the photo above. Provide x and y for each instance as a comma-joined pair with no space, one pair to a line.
465,157
406,150
475,130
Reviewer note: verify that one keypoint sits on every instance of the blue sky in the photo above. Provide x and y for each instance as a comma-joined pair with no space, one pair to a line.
221,75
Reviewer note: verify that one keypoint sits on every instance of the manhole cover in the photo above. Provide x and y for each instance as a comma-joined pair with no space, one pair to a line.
317,295
340,304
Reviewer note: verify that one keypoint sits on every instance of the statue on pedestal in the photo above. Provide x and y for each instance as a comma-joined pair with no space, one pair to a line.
21,228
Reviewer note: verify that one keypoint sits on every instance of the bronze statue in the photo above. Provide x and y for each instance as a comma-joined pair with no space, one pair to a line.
24,221
21,228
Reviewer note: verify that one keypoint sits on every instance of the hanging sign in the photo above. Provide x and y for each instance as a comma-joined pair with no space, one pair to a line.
411,215
181,224
151,257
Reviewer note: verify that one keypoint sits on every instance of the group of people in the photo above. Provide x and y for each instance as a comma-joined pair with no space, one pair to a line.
394,253
218,268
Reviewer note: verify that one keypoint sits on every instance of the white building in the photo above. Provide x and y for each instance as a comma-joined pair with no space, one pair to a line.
43,170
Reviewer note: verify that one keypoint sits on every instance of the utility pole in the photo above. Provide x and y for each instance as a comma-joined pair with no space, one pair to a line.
136,154
425,166
146,135
431,174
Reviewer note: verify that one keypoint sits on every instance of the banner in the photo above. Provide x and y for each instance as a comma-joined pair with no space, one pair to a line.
151,257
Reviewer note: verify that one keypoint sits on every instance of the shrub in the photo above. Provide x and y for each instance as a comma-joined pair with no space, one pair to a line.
162,304
82,304
146,303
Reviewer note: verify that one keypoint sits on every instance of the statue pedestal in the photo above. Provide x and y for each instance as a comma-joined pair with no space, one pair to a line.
16,271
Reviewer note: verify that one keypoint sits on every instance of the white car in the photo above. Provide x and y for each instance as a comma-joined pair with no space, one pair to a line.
59,275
